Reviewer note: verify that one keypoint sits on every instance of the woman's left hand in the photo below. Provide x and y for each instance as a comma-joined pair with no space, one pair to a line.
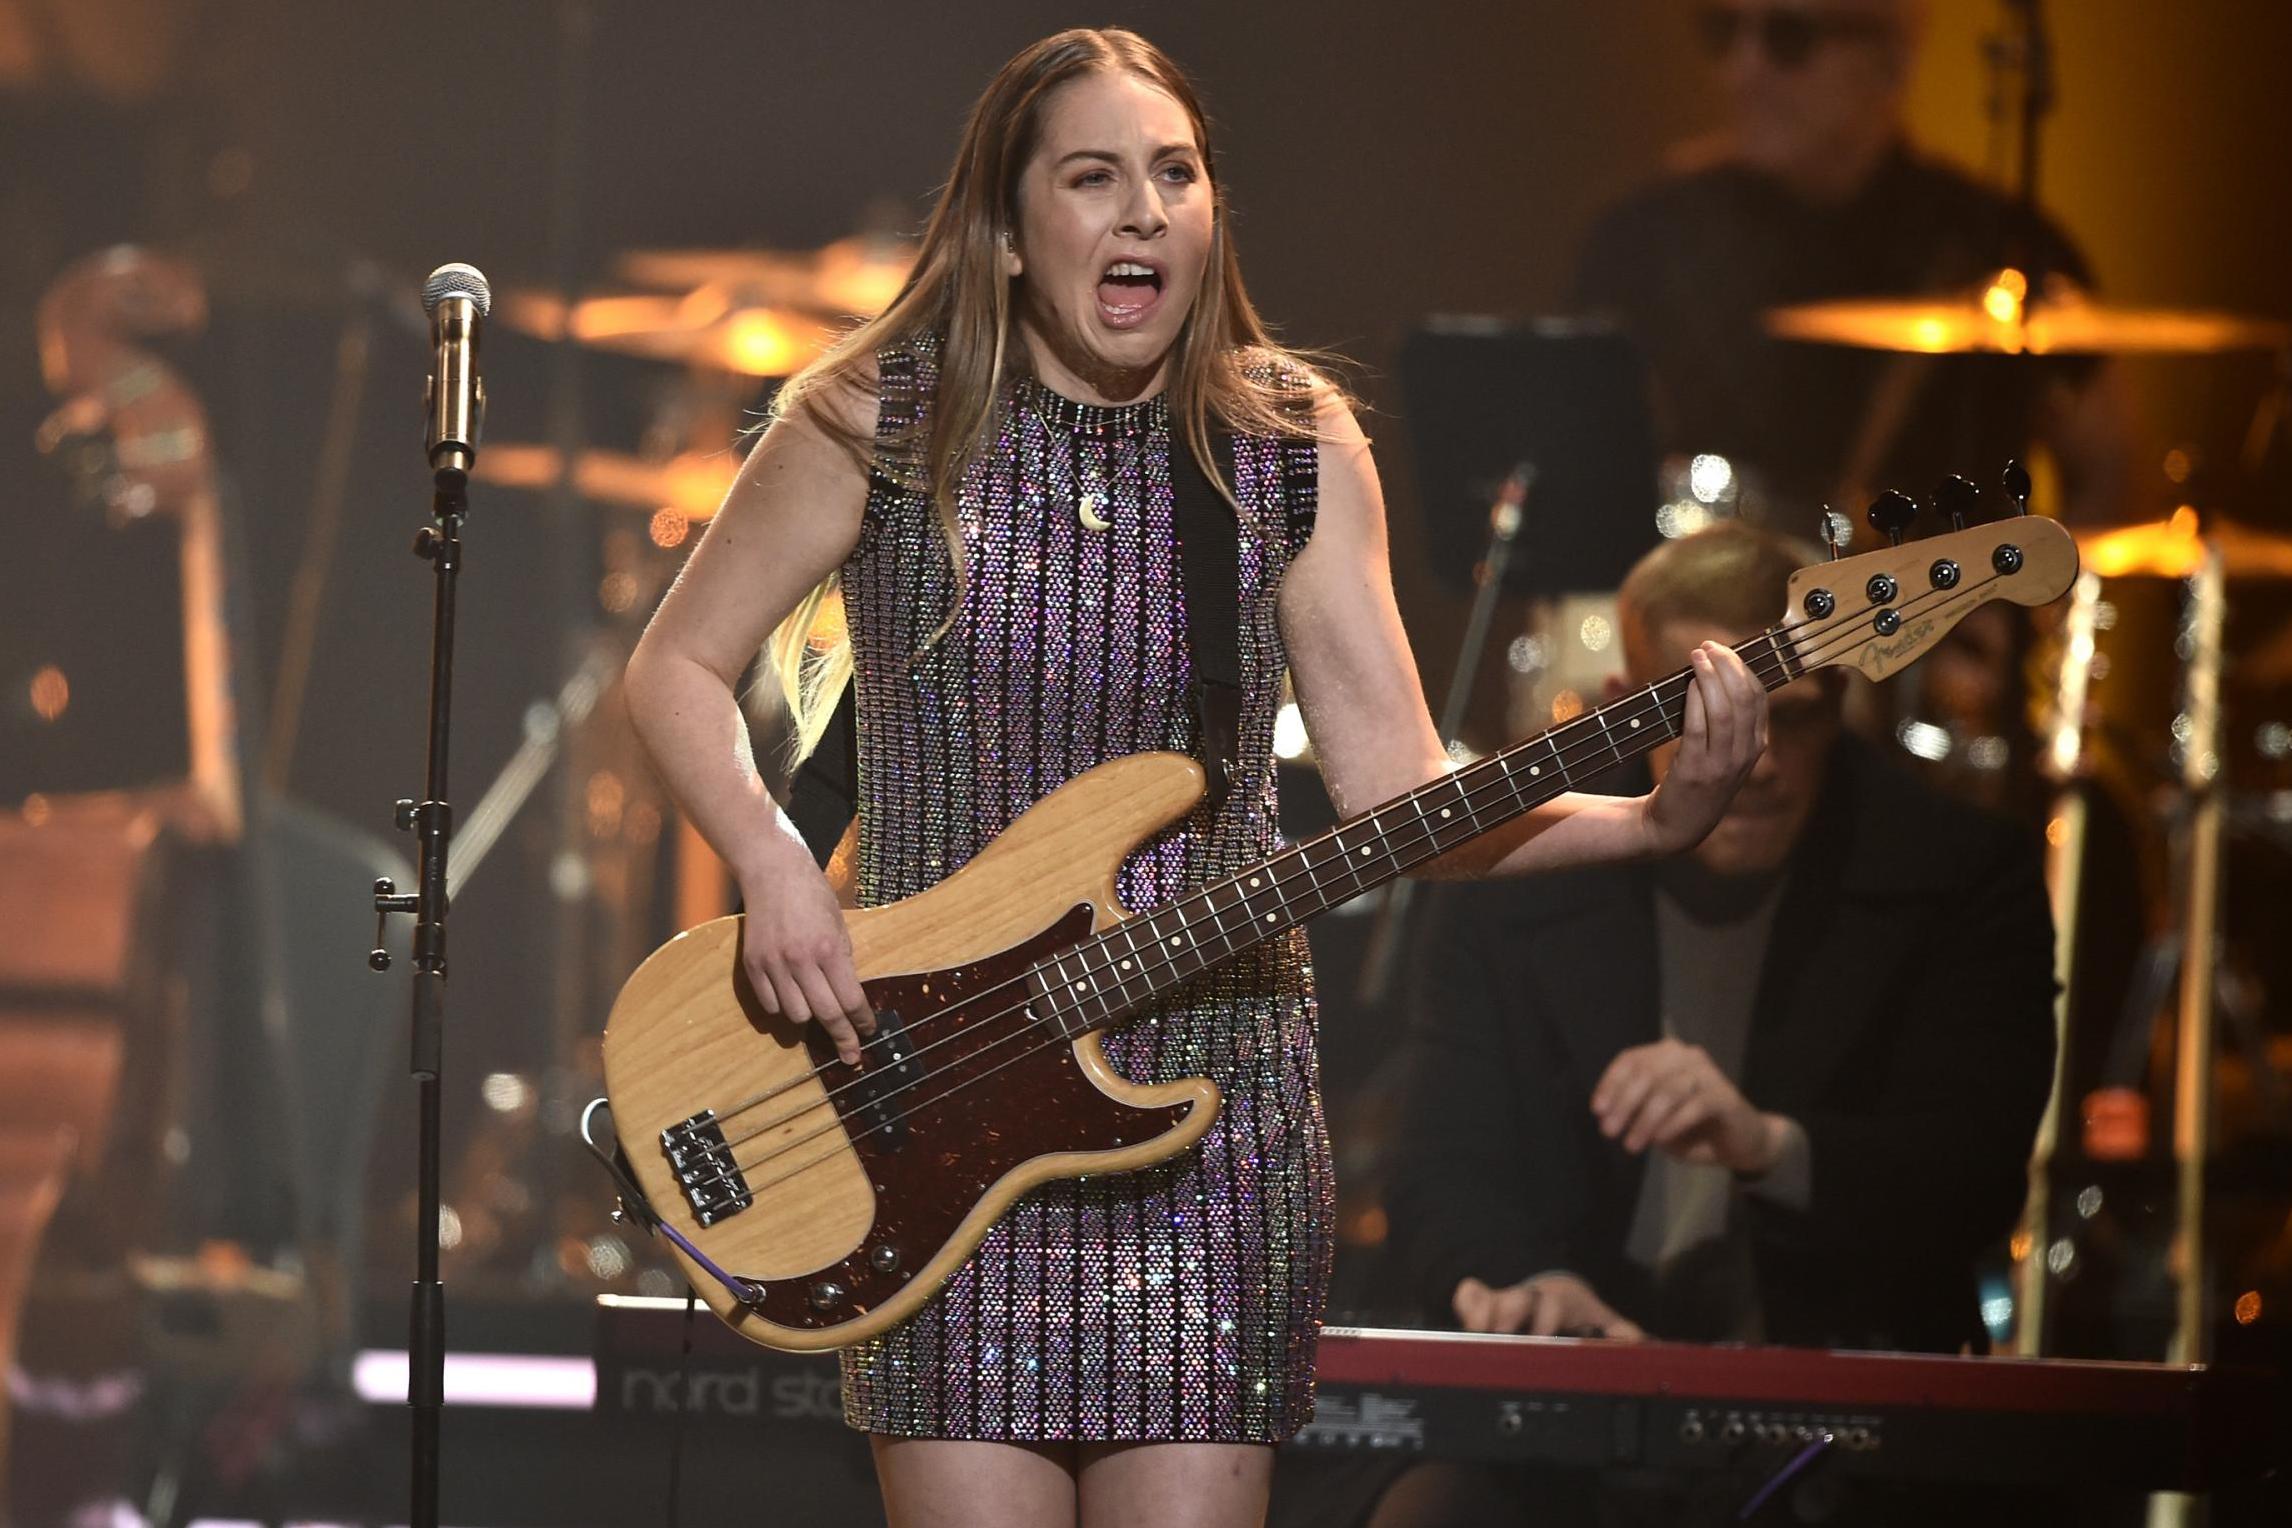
1722,737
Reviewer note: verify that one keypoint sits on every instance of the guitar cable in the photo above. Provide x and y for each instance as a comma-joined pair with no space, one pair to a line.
635,1207
1783,1476
683,1404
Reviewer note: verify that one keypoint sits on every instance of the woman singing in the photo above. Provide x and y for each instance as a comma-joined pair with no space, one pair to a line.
985,472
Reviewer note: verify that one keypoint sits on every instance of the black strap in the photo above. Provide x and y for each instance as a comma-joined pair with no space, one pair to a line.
1209,562
824,796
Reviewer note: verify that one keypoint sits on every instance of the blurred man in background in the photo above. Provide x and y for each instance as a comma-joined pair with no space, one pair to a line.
1787,1089
1811,189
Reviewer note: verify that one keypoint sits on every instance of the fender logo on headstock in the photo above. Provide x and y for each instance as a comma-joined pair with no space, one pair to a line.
1878,655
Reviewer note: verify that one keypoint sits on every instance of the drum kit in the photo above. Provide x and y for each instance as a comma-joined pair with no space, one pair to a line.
732,317
2168,690
2163,707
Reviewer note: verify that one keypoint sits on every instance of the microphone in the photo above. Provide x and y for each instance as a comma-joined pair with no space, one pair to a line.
456,297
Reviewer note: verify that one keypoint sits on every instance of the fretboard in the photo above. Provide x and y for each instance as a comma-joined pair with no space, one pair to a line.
1102,980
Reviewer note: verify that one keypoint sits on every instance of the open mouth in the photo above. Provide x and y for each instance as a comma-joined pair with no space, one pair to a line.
1128,291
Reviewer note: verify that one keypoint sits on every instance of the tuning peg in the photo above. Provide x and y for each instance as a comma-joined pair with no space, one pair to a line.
1831,519
1892,513
2015,480
1956,497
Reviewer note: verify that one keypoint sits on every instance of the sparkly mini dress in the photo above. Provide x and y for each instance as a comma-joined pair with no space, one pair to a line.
1182,1301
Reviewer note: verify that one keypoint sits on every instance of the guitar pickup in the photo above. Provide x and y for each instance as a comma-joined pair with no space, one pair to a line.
704,1168
877,1101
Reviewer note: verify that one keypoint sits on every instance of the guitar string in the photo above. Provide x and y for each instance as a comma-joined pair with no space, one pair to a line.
1405,841
1783,629
1422,831
1100,943
1952,596
1651,692
835,1153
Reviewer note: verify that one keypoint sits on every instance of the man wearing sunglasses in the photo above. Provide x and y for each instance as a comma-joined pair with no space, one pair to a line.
1810,189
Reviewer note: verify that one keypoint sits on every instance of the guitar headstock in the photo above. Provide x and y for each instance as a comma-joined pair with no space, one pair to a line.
1878,612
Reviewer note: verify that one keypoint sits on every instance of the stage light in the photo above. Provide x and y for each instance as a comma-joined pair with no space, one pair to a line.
51,693
1527,654
2004,297
1289,737
760,344
483,1379
506,1092
1710,478
1924,739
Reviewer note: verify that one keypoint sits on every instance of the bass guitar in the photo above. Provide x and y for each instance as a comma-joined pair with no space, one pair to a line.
814,1204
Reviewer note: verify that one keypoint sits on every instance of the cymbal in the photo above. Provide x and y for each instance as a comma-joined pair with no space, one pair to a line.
2176,548
704,328
692,484
855,276
2003,318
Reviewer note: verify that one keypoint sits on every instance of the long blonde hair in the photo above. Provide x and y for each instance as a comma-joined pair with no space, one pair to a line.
961,292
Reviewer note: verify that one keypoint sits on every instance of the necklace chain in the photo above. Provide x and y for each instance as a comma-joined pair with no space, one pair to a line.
1058,412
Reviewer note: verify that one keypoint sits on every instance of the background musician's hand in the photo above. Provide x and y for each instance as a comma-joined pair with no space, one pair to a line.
1673,1097
797,953
1548,1304
1721,737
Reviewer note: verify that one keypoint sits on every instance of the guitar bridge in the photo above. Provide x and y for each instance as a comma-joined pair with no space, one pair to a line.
705,1171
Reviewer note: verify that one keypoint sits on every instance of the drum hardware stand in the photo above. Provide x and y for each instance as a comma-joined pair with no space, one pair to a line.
2200,935
1388,940
2064,875
2193,1047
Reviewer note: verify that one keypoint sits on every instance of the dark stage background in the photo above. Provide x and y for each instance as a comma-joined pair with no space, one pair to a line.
1385,161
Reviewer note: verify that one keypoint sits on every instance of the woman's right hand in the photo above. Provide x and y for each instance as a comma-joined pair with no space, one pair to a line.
797,954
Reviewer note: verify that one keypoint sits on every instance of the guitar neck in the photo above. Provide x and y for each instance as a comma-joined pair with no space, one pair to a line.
1105,979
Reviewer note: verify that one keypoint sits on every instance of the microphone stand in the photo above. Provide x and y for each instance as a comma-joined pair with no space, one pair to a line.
431,822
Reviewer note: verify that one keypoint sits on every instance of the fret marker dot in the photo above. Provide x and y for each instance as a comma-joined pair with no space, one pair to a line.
1253,880
1635,721
1444,811
1535,769
1364,851
1126,965
1269,917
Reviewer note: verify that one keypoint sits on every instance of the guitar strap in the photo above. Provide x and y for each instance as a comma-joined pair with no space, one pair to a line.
1209,564
824,796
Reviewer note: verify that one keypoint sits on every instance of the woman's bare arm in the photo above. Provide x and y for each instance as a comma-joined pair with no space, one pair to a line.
1357,686
790,519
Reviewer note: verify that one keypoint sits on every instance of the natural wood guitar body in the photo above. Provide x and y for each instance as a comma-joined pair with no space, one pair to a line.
835,1199
885,1215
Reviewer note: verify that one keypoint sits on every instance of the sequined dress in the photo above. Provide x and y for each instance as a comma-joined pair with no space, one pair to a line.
1182,1301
